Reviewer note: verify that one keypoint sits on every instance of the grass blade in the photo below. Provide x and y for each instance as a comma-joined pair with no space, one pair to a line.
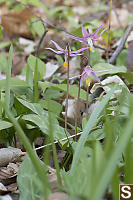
8,77
92,121
104,178
40,168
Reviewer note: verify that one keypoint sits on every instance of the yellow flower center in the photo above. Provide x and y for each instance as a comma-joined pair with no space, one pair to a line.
65,64
92,49
88,81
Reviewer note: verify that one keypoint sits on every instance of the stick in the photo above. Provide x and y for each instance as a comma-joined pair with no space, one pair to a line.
109,30
67,94
122,44
52,26
40,42
77,111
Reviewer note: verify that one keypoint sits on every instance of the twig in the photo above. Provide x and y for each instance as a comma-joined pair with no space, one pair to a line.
54,27
121,46
118,19
109,29
66,107
87,94
77,111
61,140
42,20
56,142
40,42
66,138
102,48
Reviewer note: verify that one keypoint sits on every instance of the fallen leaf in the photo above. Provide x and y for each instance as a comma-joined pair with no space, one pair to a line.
15,22
5,197
3,189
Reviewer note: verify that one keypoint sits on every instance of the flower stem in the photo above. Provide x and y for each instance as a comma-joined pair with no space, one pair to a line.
77,111
109,33
87,94
36,78
67,94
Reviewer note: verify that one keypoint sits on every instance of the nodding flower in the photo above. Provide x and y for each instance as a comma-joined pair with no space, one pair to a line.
88,38
85,76
65,51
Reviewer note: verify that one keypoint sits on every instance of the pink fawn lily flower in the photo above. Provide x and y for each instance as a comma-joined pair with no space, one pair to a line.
88,38
86,74
65,51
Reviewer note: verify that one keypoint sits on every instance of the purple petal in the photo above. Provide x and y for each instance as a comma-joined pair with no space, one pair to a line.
57,46
88,71
96,32
83,77
77,38
98,72
95,76
72,54
95,37
82,49
58,52
81,80
85,33
69,48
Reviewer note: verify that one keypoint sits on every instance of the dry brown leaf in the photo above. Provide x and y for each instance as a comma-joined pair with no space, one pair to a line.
12,187
6,197
15,22
8,174
3,189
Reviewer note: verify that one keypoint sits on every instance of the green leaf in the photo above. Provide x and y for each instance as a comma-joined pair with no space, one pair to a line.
59,59
36,3
104,178
95,58
5,125
96,135
52,94
73,90
8,77
54,106
37,26
40,65
121,59
91,123
128,76
0,32
4,44
28,181
78,183
110,69
14,84
34,107
43,123
3,63
129,163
